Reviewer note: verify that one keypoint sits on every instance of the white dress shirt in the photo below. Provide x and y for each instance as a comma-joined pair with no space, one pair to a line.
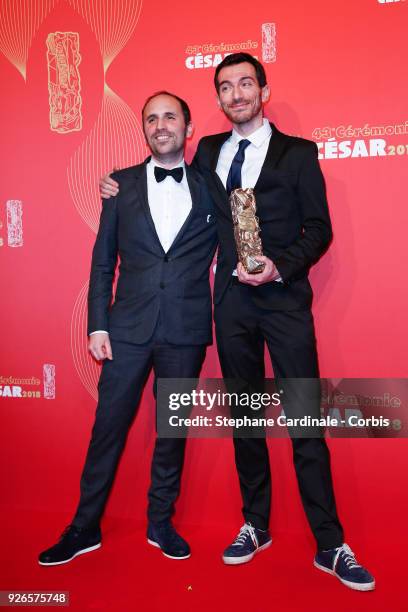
170,204
255,155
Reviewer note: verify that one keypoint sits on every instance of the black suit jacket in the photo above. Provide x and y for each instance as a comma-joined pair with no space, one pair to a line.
293,216
151,282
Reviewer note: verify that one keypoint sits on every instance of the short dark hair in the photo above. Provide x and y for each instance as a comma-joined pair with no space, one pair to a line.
240,58
183,104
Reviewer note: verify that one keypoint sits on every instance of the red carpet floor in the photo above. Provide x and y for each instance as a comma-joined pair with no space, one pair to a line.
127,574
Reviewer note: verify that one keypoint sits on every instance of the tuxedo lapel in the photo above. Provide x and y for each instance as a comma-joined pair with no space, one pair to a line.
276,148
141,188
218,141
195,192
194,186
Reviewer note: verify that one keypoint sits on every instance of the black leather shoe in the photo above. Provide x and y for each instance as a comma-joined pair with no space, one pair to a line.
164,536
74,541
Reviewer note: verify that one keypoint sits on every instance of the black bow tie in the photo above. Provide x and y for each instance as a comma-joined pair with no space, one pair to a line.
161,173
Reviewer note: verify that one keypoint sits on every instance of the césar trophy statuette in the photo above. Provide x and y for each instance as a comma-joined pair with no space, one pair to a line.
246,229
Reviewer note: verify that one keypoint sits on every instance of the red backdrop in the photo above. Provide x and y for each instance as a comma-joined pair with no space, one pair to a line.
70,110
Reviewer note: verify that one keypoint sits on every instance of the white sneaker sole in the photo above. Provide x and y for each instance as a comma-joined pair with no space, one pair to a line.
246,558
356,586
153,543
80,552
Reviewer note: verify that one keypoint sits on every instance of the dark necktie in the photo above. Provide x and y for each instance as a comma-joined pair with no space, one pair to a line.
161,173
234,174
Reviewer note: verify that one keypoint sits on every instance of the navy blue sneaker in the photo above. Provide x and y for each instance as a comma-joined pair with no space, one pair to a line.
246,545
164,536
74,541
342,563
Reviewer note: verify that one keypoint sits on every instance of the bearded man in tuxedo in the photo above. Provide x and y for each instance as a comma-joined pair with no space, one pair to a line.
162,227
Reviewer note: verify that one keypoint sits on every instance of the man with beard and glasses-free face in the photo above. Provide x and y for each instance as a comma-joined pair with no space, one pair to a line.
274,306
162,226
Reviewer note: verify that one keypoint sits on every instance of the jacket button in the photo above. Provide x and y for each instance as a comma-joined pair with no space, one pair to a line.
161,285
166,259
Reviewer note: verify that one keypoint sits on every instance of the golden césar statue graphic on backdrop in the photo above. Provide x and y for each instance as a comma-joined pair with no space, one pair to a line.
246,229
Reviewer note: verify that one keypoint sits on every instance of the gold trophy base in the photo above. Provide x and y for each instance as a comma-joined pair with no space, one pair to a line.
252,265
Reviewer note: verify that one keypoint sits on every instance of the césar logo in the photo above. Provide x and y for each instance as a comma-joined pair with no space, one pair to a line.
11,391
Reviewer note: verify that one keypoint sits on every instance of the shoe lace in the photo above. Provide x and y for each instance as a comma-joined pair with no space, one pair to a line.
168,530
72,528
347,555
247,530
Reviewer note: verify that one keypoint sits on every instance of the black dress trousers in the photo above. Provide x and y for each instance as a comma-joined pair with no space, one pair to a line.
120,388
242,328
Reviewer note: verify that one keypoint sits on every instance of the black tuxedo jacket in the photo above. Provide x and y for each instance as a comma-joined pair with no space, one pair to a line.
152,283
293,216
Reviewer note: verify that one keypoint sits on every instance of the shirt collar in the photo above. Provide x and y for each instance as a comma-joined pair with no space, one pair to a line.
154,162
257,138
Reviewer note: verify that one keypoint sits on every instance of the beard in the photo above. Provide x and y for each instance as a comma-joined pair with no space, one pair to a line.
168,151
243,115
